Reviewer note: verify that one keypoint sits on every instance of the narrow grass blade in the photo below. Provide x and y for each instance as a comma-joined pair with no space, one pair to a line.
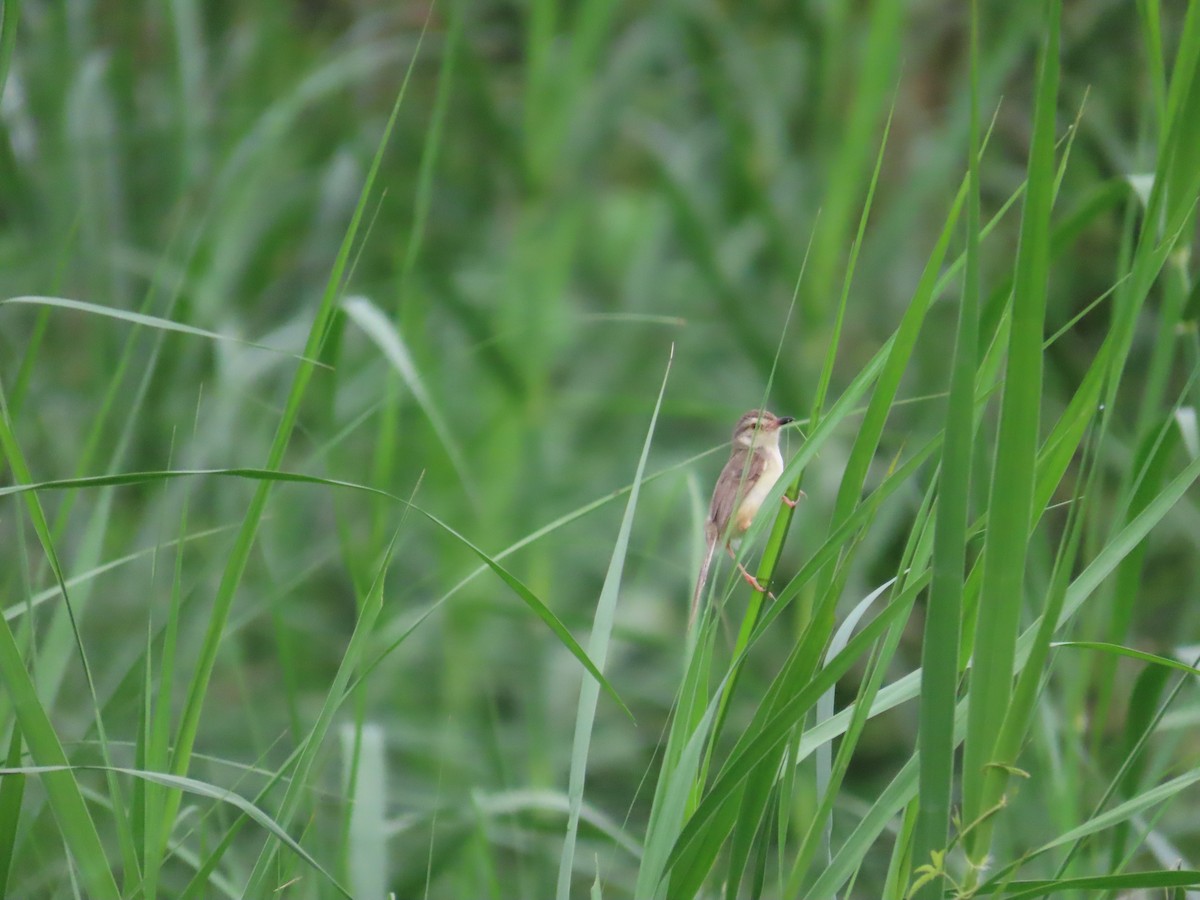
12,790
606,609
1129,653
1163,793
17,610
386,336
541,609
1126,541
302,771
148,321
1081,590
1129,881
773,725
200,789
240,555
877,662
11,15
940,647
78,830
158,751
849,162
818,404
268,476
1143,713
849,856
1011,498
671,801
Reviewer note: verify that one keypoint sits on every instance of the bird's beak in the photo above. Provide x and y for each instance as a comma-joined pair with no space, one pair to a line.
784,420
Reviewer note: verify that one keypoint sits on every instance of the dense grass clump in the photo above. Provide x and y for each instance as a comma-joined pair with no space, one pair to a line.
364,375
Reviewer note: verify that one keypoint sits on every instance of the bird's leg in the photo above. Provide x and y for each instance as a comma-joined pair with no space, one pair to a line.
792,503
750,579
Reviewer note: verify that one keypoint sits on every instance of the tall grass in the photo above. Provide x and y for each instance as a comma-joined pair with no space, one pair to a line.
331,343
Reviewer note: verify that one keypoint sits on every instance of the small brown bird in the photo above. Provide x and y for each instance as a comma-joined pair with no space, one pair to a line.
754,466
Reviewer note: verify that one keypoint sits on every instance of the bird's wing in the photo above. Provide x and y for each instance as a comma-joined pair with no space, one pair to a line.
731,487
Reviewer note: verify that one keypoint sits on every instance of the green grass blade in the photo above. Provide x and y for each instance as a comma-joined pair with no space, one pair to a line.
606,609
848,857
876,666
1082,588
148,321
849,162
12,790
540,609
9,19
1130,881
1129,653
1163,793
1126,541
385,335
240,556
301,773
943,621
199,789
1011,497
818,404
65,798
268,476
764,737
671,801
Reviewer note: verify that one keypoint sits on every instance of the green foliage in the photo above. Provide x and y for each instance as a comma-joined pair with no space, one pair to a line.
331,338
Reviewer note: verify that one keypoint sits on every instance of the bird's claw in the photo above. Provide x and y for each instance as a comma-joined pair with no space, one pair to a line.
754,582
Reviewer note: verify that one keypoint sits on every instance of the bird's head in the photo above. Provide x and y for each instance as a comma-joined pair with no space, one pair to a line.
759,427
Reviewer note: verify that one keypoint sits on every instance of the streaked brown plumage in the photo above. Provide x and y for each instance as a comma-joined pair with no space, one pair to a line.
754,466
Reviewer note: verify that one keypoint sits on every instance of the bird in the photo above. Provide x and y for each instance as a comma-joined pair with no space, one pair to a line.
754,466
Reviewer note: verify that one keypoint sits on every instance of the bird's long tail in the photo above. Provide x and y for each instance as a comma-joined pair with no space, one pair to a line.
700,582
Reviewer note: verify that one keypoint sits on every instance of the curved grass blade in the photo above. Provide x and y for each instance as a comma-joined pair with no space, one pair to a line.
386,336
1081,589
200,789
1162,793
36,600
1118,650
538,606
136,318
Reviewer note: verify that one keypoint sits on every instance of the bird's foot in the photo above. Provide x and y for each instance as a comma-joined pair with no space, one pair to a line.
754,582
792,503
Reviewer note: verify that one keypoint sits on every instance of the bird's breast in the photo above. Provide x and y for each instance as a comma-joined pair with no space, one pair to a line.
772,469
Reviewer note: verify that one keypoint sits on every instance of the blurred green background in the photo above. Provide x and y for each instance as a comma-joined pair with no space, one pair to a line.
569,191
